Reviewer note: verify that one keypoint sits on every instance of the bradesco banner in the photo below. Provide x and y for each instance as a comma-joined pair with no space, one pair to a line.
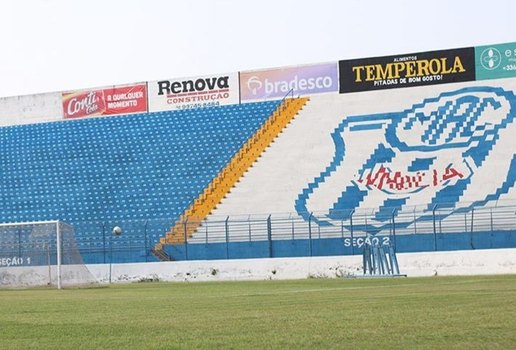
495,61
276,83
197,92
425,68
108,101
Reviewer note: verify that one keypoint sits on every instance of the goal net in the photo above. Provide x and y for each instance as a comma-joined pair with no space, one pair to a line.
41,254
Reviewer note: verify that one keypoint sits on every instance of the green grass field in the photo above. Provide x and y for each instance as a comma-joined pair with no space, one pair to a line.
405,313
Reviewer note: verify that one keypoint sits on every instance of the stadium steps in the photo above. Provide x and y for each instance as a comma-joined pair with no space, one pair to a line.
193,216
160,254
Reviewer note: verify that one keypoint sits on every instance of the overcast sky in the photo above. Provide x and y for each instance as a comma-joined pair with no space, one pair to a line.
55,45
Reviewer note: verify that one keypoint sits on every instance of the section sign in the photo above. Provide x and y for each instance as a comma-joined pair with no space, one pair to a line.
276,83
424,68
196,92
495,61
107,101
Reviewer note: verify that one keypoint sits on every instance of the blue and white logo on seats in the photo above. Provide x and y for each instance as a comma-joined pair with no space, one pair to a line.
455,150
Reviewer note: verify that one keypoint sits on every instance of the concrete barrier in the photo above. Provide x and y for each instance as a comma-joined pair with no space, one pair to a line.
477,262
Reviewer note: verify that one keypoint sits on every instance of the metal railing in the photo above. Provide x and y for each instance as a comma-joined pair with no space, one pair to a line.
437,219
437,225
435,228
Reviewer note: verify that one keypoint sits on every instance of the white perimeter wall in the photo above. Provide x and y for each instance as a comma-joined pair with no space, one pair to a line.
31,109
478,262
472,262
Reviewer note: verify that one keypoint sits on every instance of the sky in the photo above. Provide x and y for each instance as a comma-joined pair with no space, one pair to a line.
62,45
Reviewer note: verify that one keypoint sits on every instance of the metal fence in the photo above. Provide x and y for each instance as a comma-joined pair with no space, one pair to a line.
99,245
387,221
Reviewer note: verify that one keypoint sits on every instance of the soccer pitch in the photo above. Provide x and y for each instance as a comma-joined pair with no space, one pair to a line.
426,313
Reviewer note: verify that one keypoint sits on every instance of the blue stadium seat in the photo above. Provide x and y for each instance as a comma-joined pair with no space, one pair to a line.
92,172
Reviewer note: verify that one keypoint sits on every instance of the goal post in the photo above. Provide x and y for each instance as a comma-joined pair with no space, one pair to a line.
41,253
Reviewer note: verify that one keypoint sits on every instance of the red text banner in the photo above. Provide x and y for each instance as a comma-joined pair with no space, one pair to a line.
108,101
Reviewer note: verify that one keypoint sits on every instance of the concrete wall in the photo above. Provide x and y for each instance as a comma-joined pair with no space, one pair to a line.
29,109
32,276
339,246
479,262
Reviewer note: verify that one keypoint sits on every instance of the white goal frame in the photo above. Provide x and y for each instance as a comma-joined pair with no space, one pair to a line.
57,249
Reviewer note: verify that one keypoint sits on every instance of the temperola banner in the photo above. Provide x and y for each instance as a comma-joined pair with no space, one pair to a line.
197,92
108,101
495,61
275,83
425,68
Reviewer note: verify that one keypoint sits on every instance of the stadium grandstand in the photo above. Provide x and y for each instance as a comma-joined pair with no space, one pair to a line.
415,151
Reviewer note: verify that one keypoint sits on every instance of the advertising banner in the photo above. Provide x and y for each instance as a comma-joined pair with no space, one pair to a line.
495,61
276,83
197,92
425,68
107,101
